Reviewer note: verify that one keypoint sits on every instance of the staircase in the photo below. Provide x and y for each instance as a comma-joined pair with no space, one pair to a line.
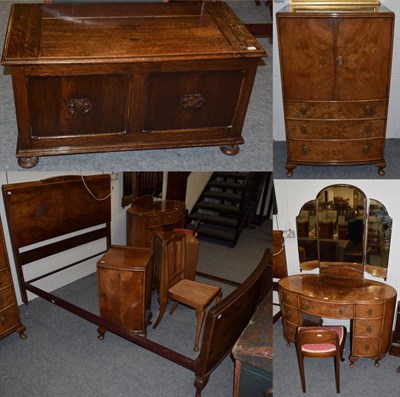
227,204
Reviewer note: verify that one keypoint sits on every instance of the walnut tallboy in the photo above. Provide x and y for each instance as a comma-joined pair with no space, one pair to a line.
335,70
112,77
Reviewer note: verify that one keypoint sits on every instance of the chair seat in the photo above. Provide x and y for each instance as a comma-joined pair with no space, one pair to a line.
324,347
194,293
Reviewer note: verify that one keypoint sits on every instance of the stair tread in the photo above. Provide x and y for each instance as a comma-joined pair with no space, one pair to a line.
218,207
237,175
223,195
226,185
214,219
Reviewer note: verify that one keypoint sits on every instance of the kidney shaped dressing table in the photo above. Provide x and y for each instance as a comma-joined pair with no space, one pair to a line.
340,290
369,304
112,77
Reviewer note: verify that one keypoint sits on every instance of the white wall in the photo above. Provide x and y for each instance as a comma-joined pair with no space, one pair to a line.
195,184
118,236
292,194
393,130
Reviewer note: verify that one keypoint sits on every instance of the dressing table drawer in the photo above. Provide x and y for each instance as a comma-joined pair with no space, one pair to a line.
368,327
290,330
289,299
331,310
369,311
365,346
291,314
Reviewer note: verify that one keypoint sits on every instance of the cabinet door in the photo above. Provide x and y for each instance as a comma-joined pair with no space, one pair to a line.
306,47
62,106
363,58
192,100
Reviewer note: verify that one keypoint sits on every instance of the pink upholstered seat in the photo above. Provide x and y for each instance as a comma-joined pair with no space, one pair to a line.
323,347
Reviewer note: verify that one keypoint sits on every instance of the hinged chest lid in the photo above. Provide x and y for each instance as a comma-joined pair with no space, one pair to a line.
125,32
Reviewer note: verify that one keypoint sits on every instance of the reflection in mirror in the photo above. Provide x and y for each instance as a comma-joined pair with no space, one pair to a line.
378,240
342,219
306,223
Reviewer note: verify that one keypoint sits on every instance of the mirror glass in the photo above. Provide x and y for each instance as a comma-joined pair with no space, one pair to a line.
331,231
306,226
342,225
378,240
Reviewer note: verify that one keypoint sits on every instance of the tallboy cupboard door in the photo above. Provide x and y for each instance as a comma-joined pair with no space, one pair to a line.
339,59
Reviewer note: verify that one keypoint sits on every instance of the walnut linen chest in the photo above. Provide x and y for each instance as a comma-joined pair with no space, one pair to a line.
112,77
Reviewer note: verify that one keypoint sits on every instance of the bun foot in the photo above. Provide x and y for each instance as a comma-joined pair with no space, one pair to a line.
21,332
289,169
230,150
101,332
28,162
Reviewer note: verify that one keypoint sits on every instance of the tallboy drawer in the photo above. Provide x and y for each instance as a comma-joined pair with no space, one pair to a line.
335,110
335,129
339,151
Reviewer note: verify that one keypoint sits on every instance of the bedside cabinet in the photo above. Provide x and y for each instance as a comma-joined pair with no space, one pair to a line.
152,216
335,70
9,313
124,288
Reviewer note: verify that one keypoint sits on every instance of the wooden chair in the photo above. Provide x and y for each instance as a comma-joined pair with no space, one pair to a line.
320,342
174,286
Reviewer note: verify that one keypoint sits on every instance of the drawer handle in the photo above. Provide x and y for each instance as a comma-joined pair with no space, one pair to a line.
79,105
303,110
305,150
368,110
341,311
287,298
340,60
366,346
366,149
4,320
369,329
303,129
289,314
306,305
368,129
369,311
192,101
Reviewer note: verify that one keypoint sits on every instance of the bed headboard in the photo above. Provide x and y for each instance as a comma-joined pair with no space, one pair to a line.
226,320
42,210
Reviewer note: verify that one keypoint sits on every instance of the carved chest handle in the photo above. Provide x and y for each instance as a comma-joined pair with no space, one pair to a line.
192,101
79,105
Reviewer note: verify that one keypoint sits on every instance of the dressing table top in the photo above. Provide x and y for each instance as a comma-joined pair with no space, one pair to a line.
337,289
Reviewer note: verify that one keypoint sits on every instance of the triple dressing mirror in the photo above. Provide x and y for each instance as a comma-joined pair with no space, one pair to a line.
343,233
